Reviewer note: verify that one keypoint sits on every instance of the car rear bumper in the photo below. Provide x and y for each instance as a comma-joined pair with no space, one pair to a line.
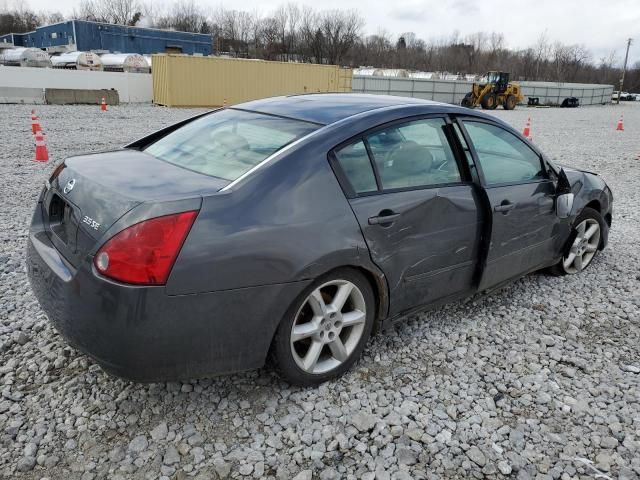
143,334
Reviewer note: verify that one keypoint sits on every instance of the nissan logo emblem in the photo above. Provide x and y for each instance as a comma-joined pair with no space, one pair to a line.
69,186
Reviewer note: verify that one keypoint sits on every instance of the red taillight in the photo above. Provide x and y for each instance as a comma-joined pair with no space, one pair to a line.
144,253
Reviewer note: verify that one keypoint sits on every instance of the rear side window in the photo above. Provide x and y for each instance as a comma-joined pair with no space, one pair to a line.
503,157
356,165
228,143
414,154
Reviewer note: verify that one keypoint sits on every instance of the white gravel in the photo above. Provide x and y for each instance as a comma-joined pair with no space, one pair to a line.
540,380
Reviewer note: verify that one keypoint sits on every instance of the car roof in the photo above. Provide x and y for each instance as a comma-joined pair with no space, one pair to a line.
327,108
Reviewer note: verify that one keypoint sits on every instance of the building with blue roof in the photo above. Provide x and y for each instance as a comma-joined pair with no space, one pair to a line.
84,35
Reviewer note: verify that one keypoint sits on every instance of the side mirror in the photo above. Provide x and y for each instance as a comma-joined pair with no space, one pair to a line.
564,205
564,196
563,186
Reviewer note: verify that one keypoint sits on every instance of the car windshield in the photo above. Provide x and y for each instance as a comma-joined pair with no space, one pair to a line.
228,143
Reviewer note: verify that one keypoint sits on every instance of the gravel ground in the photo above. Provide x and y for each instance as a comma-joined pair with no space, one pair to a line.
540,380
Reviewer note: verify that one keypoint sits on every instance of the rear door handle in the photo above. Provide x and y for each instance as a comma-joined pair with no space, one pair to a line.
504,207
384,219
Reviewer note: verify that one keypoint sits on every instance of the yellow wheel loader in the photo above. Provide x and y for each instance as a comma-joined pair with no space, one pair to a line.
494,90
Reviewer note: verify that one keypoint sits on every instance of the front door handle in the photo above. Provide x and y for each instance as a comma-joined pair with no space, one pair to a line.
384,218
504,207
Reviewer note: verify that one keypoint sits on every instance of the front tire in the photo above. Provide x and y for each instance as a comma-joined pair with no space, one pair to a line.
326,329
489,101
510,102
584,243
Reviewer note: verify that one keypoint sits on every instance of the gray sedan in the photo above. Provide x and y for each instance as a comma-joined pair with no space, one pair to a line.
292,228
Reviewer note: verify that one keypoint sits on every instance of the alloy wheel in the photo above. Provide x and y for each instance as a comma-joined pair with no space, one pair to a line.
328,326
584,246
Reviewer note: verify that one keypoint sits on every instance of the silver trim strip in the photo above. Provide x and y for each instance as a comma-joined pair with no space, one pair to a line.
271,157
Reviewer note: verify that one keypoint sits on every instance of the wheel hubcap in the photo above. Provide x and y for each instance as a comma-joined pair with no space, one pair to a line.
328,326
584,246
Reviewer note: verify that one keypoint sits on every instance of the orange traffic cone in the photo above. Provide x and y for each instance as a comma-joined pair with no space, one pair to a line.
620,125
224,103
527,130
103,105
35,123
41,149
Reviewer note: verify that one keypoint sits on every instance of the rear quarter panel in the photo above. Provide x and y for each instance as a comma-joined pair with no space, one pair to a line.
288,222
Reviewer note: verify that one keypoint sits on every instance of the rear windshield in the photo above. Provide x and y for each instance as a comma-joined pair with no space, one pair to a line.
228,143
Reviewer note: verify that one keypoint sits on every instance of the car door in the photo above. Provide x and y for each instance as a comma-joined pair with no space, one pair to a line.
521,197
418,212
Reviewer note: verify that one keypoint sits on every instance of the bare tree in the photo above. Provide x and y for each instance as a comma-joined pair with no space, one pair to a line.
47,18
340,29
476,45
560,60
311,42
542,55
280,20
376,50
608,73
184,16
270,33
245,28
235,29
255,32
121,12
577,57
18,20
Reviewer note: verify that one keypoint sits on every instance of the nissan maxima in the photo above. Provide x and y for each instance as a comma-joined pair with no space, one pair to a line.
292,228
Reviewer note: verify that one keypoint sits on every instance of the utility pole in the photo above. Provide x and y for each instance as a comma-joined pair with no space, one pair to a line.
624,69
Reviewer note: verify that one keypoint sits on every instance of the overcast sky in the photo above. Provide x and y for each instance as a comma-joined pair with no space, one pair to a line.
602,26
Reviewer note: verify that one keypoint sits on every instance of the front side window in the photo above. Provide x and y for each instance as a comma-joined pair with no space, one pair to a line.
504,158
228,143
414,154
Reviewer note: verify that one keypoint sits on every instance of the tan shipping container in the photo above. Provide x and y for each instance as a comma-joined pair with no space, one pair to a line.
188,81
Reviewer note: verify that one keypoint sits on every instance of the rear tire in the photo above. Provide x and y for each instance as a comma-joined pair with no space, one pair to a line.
584,243
326,329
510,102
489,101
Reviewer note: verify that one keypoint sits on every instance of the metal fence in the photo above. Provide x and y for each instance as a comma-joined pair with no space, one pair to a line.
554,93
453,91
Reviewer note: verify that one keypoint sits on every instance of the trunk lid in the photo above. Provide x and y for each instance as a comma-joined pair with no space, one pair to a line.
93,191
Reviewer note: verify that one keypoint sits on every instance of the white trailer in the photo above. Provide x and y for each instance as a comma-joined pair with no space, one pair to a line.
25,57
77,61
125,62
